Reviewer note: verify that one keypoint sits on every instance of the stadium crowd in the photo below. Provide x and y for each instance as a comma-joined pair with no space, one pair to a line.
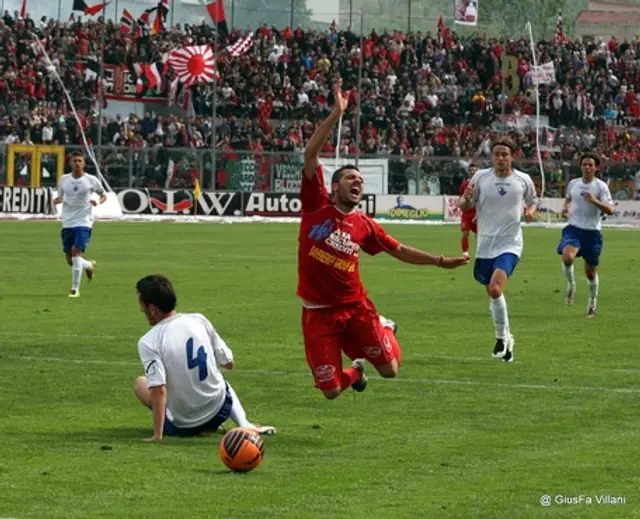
421,95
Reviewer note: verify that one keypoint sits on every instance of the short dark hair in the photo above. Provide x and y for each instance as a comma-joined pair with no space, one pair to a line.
157,290
590,155
77,154
337,175
505,141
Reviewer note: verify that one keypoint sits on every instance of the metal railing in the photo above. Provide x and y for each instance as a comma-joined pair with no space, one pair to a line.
281,171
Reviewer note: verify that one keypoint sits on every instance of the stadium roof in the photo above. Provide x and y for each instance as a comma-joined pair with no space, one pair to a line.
608,18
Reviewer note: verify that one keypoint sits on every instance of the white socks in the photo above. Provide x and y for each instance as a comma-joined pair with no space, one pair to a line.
593,290
500,317
78,265
569,274
238,414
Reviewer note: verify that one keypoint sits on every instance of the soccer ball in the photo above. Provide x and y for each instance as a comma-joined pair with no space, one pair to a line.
241,449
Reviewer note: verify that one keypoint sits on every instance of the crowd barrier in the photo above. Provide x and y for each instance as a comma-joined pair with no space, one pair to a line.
17,202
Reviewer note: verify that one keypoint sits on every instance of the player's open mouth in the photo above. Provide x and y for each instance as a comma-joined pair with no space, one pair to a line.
355,191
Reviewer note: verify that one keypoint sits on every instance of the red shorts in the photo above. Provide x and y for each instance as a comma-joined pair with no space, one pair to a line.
468,224
354,329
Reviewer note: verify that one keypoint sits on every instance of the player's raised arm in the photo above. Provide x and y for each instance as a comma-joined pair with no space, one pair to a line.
323,132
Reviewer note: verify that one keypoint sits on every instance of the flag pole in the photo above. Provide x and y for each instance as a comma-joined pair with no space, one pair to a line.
214,103
101,85
358,110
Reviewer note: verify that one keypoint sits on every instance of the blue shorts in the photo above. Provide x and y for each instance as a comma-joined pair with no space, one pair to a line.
77,237
212,425
484,268
588,243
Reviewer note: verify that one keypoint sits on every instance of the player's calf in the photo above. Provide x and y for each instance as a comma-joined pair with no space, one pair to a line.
593,282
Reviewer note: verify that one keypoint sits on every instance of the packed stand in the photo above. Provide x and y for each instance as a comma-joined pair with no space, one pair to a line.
420,96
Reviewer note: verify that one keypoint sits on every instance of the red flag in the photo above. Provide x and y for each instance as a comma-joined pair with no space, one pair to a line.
92,10
161,15
23,10
126,22
216,12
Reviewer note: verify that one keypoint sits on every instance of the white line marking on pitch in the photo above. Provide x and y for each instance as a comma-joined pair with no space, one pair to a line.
439,381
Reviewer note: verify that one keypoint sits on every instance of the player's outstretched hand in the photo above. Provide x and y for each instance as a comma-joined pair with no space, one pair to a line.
454,263
340,99
468,192
154,438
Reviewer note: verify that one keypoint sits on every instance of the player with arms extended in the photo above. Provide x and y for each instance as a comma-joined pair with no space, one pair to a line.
587,198
337,316
468,218
497,194
181,355
74,193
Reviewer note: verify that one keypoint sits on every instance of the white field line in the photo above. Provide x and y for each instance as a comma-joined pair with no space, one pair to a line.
399,380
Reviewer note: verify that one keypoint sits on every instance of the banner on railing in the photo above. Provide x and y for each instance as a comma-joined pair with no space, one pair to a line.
222,203
408,207
27,200
375,172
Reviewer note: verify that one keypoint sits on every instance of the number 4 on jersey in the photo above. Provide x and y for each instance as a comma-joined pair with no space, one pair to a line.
200,361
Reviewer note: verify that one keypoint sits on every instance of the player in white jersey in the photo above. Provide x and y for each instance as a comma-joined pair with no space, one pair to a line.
497,194
587,198
181,356
74,193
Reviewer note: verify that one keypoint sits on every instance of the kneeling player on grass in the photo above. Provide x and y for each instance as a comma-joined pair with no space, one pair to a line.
181,356
337,316
586,199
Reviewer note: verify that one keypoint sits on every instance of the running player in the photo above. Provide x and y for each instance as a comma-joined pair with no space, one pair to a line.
181,356
468,218
337,316
587,198
497,194
74,193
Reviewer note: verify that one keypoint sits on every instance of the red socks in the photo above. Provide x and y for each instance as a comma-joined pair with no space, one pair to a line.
349,376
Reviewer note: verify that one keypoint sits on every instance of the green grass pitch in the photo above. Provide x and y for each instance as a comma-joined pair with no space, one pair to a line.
458,434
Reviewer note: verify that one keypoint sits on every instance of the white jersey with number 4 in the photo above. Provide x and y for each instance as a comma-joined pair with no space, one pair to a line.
77,210
498,202
583,214
183,353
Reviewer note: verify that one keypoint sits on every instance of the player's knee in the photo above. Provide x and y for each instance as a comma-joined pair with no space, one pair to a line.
390,370
331,394
590,272
495,290
75,252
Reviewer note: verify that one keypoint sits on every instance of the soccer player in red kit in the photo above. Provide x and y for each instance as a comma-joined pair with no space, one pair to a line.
337,316
468,220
